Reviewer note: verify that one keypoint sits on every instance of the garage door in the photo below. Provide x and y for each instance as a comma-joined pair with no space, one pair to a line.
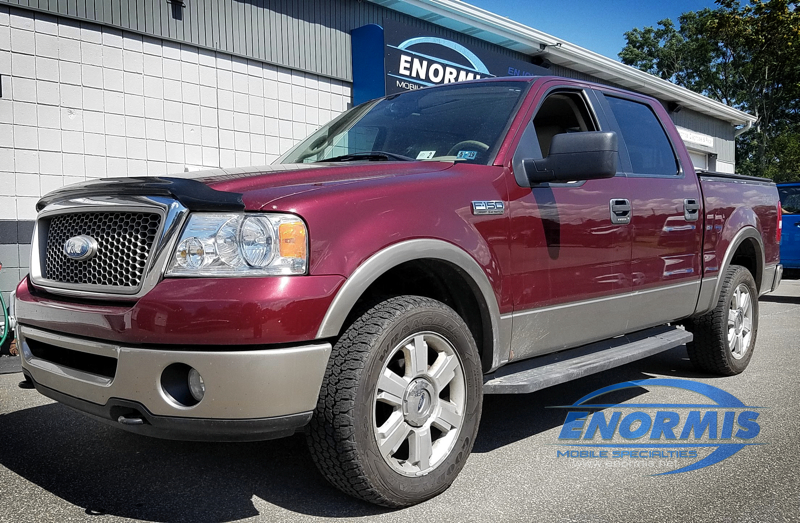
699,160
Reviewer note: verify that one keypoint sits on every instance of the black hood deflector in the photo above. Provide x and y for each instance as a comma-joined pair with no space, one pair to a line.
194,195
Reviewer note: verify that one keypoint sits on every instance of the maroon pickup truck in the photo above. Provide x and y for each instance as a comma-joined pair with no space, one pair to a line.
414,254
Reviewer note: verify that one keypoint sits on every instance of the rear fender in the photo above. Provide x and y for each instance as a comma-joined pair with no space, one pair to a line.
747,231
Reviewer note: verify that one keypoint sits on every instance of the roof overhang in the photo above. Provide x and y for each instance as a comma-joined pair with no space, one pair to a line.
485,25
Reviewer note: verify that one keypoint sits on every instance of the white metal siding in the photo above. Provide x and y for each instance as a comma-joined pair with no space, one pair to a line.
309,35
89,101
724,142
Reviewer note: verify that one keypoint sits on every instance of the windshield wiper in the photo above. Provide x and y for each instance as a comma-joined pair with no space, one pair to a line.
371,156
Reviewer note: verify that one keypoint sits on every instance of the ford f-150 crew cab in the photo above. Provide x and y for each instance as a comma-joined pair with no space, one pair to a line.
414,254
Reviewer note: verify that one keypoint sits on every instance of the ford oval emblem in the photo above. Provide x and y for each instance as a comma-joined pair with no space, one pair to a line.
80,247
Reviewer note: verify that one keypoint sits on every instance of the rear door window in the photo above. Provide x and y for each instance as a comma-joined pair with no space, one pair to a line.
648,146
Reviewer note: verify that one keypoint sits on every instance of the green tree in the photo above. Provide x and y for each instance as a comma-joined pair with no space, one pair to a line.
744,56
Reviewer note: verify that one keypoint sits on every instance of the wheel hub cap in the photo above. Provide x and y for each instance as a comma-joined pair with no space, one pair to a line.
419,402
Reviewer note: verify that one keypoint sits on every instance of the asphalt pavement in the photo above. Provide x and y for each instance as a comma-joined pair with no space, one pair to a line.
57,465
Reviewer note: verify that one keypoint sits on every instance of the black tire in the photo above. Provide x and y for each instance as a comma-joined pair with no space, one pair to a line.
344,431
711,349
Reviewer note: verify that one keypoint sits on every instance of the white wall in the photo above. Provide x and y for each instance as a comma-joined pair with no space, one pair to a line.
82,101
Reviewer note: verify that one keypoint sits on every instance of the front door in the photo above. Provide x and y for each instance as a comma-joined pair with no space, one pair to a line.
570,260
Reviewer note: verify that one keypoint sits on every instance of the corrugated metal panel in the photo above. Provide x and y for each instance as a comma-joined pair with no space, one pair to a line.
310,35
724,141
560,70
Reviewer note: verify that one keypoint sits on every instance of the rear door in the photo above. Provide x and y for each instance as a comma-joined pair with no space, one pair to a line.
790,237
666,213
570,261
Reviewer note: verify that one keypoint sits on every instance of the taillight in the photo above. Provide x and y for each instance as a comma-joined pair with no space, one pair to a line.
780,224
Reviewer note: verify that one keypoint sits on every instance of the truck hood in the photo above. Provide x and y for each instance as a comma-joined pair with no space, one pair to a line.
243,188
263,185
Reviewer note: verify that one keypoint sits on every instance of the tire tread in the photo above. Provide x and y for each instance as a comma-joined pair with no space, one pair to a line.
331,439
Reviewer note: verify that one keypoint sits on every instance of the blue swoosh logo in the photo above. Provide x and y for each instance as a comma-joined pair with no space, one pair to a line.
471,57
719,397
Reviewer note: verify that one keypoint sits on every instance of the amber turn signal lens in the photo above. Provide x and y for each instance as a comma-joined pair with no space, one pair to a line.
292,240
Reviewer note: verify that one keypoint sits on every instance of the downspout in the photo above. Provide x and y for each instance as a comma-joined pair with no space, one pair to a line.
747,127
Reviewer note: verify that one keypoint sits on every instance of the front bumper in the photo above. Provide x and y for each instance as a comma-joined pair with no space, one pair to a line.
189,312
249,395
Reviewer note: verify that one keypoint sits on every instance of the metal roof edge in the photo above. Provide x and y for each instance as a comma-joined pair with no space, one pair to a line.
452,13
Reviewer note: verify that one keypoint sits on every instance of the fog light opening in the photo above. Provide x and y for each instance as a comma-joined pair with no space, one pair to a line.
182,384
197,386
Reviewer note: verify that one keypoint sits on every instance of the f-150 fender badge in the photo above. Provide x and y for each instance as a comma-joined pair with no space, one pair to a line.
488,207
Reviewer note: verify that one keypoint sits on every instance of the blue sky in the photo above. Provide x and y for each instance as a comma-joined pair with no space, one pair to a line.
594,24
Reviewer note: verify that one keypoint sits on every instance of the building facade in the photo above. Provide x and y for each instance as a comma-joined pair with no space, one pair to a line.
99,88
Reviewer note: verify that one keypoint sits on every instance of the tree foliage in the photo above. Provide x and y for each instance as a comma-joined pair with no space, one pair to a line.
746,56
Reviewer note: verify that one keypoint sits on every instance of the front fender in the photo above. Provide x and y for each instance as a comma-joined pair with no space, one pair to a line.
394,255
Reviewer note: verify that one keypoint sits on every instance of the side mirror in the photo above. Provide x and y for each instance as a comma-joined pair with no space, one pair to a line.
575,156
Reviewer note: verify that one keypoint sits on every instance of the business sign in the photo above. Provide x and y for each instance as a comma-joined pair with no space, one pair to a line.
411,58
693,137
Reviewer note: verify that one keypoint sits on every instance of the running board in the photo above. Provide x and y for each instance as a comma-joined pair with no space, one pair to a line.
545,371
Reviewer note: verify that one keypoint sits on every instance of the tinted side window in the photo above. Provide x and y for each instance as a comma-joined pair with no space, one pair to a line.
790,199
648,145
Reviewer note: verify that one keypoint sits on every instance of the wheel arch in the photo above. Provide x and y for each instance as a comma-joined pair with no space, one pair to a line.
745,249
432,268
749,253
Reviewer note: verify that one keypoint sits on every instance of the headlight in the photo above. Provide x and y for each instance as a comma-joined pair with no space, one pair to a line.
241,245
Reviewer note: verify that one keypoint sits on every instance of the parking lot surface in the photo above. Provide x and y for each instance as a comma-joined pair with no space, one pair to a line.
57,465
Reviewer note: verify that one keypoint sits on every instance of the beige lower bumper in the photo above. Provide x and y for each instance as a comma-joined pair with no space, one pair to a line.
238,384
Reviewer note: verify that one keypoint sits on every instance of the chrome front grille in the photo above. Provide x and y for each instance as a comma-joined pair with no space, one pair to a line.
124,242
130,239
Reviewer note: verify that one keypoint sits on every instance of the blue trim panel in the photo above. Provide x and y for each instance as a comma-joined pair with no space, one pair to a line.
368,67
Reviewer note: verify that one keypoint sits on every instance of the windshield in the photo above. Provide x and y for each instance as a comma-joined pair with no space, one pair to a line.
463,123
790,199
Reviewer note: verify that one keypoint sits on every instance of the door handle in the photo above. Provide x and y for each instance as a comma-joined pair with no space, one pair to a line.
691,210
620,211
